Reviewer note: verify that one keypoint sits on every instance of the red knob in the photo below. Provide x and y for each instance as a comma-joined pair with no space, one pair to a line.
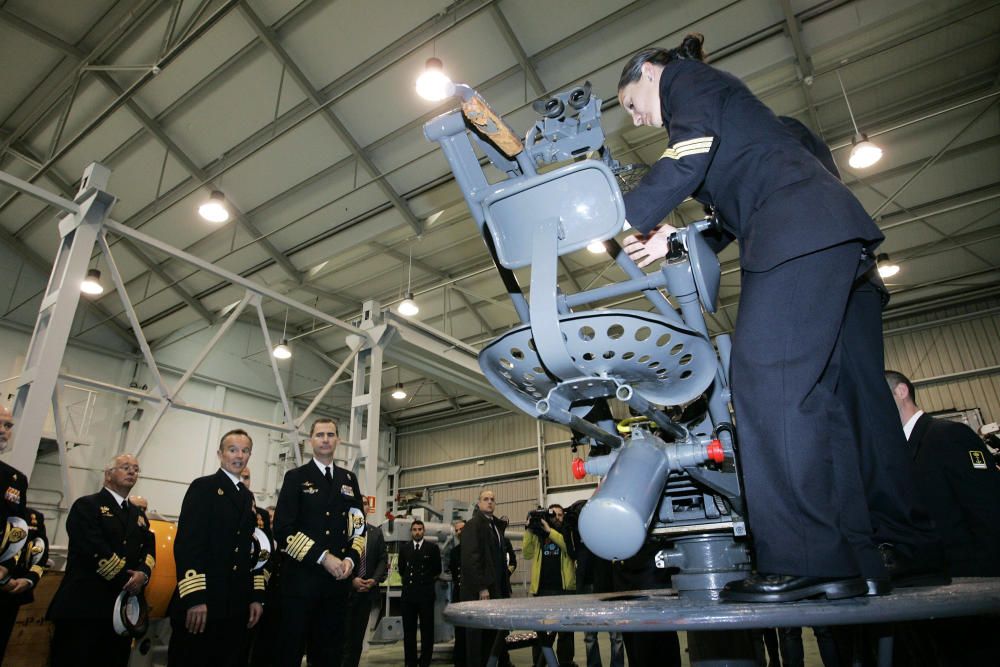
715,451
579,469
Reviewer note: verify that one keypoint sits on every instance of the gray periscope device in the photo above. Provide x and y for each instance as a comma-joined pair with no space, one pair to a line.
669,473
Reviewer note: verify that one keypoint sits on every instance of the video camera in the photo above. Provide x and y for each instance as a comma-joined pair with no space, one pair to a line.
535,518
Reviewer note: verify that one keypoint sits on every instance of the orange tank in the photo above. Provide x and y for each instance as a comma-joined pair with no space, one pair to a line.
164,578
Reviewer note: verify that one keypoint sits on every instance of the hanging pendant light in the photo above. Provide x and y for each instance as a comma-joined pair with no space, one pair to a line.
92,283
408,307
863,152
282,350
886,267
214,209
398,392
433,84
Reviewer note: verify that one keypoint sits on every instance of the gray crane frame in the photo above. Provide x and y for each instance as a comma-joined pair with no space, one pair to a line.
674,482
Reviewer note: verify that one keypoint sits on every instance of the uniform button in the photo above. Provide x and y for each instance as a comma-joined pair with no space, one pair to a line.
237,550
328,514
328,532
239,532
234,568
343,514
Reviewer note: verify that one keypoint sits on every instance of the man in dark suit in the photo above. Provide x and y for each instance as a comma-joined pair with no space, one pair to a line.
109,551
484,571
419,567
319,523
957,479
218,596
364,596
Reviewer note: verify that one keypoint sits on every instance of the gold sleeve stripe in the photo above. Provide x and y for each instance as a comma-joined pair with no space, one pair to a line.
358,544
685,148
266,575
150,561
110,567
692,142
299,545
191,583
38,569
259,583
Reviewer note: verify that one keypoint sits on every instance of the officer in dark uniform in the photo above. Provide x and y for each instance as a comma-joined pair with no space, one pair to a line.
218,597
806,363
15,487
109,551
364,595
29,568
455,569
319,523
419,567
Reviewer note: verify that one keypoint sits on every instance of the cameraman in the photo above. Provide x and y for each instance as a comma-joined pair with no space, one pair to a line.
552,569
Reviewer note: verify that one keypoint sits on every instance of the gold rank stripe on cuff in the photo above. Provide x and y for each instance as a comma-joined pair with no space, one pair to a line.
266,575
110,567
299,545
689,147
259,582
191,583
358,544
150,561
38,569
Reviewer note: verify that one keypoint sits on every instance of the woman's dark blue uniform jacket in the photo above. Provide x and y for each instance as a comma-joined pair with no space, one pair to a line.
727,149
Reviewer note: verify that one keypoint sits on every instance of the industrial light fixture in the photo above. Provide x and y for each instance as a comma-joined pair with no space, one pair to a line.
886,267
92,283
282,350
863,152
433,84
408,307
214,209
596,247
399,393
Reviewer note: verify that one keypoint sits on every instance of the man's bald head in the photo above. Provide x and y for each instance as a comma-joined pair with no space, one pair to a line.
6,427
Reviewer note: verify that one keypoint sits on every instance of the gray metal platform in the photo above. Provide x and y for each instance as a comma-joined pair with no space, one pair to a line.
652,611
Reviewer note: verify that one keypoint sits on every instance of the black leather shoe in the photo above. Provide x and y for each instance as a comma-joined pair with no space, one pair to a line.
878,586
906,571
789,588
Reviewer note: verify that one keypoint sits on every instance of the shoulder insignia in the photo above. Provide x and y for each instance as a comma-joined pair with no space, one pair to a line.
221,492
347,490
13,495
141,521
978,459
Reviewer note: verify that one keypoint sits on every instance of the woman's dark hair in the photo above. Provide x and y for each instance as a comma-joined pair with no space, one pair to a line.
690,48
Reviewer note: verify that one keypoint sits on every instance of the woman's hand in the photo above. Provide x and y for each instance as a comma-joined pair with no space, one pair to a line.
644,250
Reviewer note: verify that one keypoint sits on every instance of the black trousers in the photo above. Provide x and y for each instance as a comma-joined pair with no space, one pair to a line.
87,642
223,643
314,622
418,608
822,451
359,607
563,641
9,606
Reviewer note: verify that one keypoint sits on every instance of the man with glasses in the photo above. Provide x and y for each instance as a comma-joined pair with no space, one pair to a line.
320,525
109,551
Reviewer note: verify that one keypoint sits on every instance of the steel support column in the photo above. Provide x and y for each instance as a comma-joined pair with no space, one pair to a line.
79,231
366,397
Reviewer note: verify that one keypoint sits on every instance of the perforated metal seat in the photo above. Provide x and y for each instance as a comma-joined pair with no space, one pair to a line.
664,363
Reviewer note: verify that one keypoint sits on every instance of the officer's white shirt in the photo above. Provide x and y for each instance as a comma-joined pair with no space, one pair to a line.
911,422
118,499
236,480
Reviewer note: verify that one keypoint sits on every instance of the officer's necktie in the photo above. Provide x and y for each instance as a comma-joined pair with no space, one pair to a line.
125,505
329,477
361,565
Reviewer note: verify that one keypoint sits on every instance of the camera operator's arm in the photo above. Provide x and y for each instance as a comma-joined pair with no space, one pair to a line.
529,545
556,537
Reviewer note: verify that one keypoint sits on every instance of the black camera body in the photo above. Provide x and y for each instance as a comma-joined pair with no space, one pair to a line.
535,518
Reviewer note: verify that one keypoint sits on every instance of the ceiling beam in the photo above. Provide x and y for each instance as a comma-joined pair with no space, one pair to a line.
802,59
270,39
515,45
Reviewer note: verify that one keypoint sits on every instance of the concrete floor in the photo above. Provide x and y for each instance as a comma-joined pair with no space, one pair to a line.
392,655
